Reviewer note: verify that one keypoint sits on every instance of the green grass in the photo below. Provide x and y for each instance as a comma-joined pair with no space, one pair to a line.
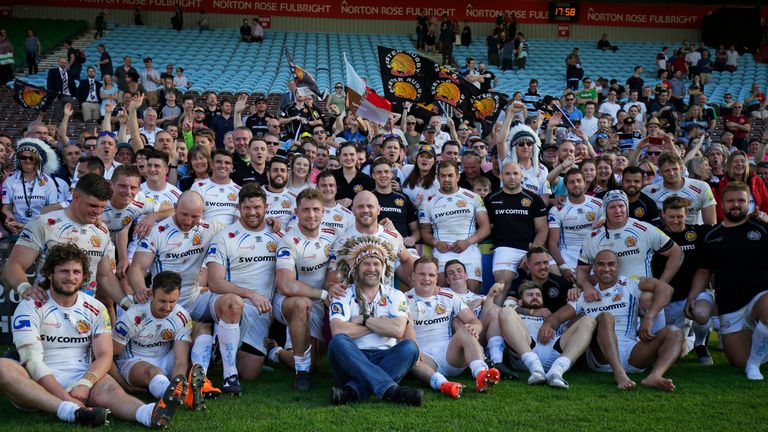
714,398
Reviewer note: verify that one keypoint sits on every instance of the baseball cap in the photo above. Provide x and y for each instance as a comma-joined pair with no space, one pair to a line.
198,109
259,99
426,148
629,120
430,129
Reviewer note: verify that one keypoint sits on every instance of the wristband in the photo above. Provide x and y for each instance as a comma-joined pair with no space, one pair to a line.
23,287
173,166
81,382
90,377
323,295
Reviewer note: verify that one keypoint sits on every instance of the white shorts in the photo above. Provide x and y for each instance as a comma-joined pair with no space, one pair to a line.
203,309
315,319
546,352
741,319
438,351
625,346
254,327
68,377
674,313
507,258
164,363
471,258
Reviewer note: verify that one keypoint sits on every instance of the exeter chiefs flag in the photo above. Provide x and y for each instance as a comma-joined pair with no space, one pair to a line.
31,96
405,76
485,106
305,82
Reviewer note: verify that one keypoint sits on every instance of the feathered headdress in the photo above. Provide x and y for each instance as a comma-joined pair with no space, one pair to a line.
519,133
49,163
356,249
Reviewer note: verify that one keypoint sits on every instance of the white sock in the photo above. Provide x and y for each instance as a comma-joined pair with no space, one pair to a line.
477,366
532,362
559,366
144,414
659,322
700,332
201,351
496,349
66,411
759,350
303,362
158,384
437,380
229,339
273,354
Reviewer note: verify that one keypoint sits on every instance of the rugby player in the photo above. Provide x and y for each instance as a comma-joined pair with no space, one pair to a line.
395,206
152,340
735,252
65,348
617,348
453,222
641,206
367,352
303,256
519,218
241,261
179,243
219,192
280,201
335,215
443,351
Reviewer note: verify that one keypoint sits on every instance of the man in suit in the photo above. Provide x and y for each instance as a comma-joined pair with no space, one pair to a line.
61,86
288,97
88,96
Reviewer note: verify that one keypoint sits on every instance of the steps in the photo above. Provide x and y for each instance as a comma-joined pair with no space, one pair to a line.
50,59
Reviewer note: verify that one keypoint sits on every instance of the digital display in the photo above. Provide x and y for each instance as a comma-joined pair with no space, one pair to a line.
563,12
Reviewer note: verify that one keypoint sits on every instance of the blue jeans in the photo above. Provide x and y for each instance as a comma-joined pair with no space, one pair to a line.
370,371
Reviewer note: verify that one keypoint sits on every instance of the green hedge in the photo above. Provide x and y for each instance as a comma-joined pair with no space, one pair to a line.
51,33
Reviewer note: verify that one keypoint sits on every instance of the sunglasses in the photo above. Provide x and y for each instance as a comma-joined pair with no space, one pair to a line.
319,132
569,99
106,133
90,147
649,173
410,122
463,129
26,158
653,153
525,144
339,87
478,147
272,142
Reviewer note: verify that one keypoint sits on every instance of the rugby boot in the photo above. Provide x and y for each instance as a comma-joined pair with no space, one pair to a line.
169,404
486,379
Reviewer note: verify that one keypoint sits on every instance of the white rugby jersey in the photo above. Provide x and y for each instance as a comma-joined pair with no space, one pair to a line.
118,219
388,303
533,324
537,184
468,298
281,205
337,217
696,193
308,257
432,315
146,336
56,227
248,257
621,300
220,200
634,244
160,200
179,251
452,216
392,237
40,192
575,223
65,333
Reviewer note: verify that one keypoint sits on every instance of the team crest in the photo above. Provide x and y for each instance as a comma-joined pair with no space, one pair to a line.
461,203
591,216
271,247
690,236
95,241
525,202
126,220
477,271
337,217
197,239
166,334
357,188
630,241
399,202
639,212
113,264
616,297
402,63
439,309
285,204
82,327
383,301
754,235
327,250
337,308
232,196
41,182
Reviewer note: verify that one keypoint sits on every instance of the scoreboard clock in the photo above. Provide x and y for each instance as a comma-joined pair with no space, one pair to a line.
563,12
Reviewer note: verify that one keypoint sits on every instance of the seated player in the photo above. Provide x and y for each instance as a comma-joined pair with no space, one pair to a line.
538,347
65,349
617,348
152,341
444,352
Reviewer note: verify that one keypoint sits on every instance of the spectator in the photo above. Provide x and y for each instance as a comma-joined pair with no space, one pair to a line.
692,58
122,72
507,51
695,90
108,94
738,124
466,35
755,103
61,86
137,20
105,61
89,96
610,106
732,59
662,61
32,45
721,56
521,51
257,31
737,169
573,73
202,21
677,85
149,78
73,59
705,67
422,28
587,94
223,123
447,29
168,72
469,72
605,45
432,31
493,41
245,31
100,25
177,20
180,81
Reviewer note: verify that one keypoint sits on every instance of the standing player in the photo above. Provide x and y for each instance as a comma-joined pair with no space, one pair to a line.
735,251
280,201
443,351
641,206
179,243
65,348
219,192
151,342
302,259
241,261
335,215
395,205
571,222
686,236
698,195
616,312
538,347
160,194
519,218
453,222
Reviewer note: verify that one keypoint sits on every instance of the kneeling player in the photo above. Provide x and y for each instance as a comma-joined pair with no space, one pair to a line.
152,342
617,349
538,347
65,347
432,309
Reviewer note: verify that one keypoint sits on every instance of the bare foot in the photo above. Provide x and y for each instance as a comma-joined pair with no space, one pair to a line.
623,382
660,383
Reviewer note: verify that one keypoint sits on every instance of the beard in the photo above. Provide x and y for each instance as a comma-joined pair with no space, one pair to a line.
69,291
736,215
